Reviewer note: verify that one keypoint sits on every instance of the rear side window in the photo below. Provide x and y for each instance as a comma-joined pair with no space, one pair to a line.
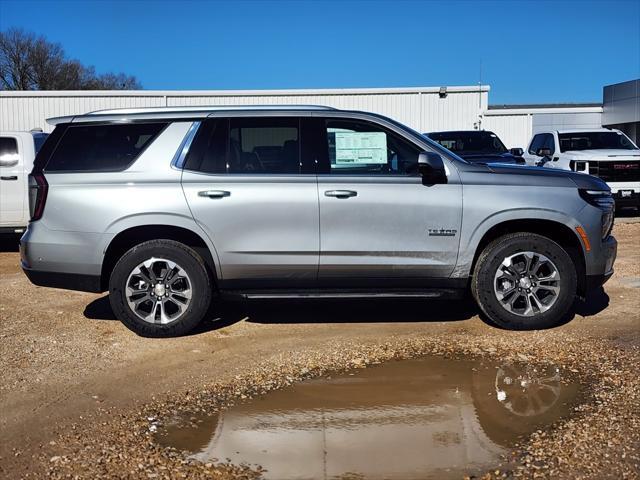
100,148
264,145
269,145
8,150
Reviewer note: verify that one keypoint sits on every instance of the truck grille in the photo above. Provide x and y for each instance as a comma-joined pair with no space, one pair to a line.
612,171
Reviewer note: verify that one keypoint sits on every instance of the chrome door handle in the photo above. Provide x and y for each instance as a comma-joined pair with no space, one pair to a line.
214,193
12,177
340,193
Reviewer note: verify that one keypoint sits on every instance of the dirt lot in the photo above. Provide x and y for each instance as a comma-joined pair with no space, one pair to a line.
78,390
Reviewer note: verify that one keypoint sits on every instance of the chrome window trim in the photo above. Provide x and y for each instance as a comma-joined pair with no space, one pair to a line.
183,150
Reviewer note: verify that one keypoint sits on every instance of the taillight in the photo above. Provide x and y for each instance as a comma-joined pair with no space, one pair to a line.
38,188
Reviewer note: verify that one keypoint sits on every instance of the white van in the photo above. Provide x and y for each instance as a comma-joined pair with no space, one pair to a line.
17,152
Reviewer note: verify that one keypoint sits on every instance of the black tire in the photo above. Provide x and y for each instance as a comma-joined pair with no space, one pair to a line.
482,283
194,266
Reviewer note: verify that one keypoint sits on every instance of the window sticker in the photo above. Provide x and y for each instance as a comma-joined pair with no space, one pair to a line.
360,148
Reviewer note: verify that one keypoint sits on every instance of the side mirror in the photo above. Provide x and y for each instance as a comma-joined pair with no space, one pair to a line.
516,152
431,167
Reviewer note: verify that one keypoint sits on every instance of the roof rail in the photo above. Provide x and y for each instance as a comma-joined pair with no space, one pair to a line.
205,108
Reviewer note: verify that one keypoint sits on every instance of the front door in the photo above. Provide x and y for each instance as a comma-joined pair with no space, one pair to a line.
244,184
378,222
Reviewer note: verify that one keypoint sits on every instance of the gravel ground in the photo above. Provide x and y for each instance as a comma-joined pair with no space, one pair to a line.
80,394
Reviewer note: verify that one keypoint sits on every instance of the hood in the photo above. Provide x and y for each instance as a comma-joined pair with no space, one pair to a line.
604,154
497,174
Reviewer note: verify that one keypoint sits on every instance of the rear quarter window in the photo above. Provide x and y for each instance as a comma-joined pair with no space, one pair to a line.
101,148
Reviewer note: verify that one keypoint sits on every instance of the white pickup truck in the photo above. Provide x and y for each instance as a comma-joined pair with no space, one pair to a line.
605,153
17,152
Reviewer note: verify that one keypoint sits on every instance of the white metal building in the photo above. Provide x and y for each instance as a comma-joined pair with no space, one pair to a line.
516,124
424,109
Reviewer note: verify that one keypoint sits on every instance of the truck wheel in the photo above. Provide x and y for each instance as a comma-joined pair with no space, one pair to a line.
524,281
160,288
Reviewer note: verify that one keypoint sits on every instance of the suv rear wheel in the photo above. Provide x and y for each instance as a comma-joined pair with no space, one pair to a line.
160,288
524,281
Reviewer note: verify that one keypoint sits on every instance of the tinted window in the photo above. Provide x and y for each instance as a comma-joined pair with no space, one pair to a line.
594,141
536,144
362,148
208,151
264,145
101,147
469,142
8,149
548,142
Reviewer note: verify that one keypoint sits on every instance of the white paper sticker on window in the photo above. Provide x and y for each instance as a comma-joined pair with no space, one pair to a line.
361,148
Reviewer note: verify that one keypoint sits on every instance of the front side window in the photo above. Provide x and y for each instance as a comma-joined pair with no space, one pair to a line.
548,142
356,147
536,144
100,148
594,141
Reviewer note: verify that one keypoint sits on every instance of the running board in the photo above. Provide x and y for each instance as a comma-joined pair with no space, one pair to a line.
342,294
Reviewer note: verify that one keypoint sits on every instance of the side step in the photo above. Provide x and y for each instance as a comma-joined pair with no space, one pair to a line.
343,294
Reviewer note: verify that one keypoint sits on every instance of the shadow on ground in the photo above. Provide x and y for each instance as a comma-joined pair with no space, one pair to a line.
228,312
9,242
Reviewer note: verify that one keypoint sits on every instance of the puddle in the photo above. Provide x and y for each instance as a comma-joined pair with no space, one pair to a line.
426,418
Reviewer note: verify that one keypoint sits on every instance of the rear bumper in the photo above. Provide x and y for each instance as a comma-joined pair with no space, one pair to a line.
60,259
67,281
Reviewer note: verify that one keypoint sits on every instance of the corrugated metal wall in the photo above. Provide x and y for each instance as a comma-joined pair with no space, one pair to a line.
513,130
515,127
420,108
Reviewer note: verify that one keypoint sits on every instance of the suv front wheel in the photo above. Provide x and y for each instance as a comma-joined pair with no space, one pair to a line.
160,288
524,281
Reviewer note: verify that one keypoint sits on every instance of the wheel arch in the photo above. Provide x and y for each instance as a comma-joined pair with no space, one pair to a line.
555,230
129,237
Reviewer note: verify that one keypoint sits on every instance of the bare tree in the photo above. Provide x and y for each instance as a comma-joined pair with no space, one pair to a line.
28,62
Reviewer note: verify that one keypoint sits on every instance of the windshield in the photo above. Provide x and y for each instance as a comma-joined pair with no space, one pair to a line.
470,142
594,141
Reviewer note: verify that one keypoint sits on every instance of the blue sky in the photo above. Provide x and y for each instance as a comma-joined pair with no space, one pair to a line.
531,52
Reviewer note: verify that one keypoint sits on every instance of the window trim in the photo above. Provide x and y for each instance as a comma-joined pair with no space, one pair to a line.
43,168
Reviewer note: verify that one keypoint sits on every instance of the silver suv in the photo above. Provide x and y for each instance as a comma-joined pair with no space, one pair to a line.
169,208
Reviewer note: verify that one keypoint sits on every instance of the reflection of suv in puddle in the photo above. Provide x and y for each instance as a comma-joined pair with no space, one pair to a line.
413,419
165,208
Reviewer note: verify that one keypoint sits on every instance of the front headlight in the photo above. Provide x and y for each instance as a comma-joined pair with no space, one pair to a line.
604,201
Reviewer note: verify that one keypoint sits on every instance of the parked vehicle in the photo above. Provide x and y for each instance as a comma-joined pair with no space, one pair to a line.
169,208
477,146
17,152
605,153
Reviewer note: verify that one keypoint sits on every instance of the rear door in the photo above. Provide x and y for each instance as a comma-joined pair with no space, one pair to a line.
378,223
247,185
12,182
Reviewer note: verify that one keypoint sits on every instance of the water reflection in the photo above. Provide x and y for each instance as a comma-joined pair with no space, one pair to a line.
427,418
